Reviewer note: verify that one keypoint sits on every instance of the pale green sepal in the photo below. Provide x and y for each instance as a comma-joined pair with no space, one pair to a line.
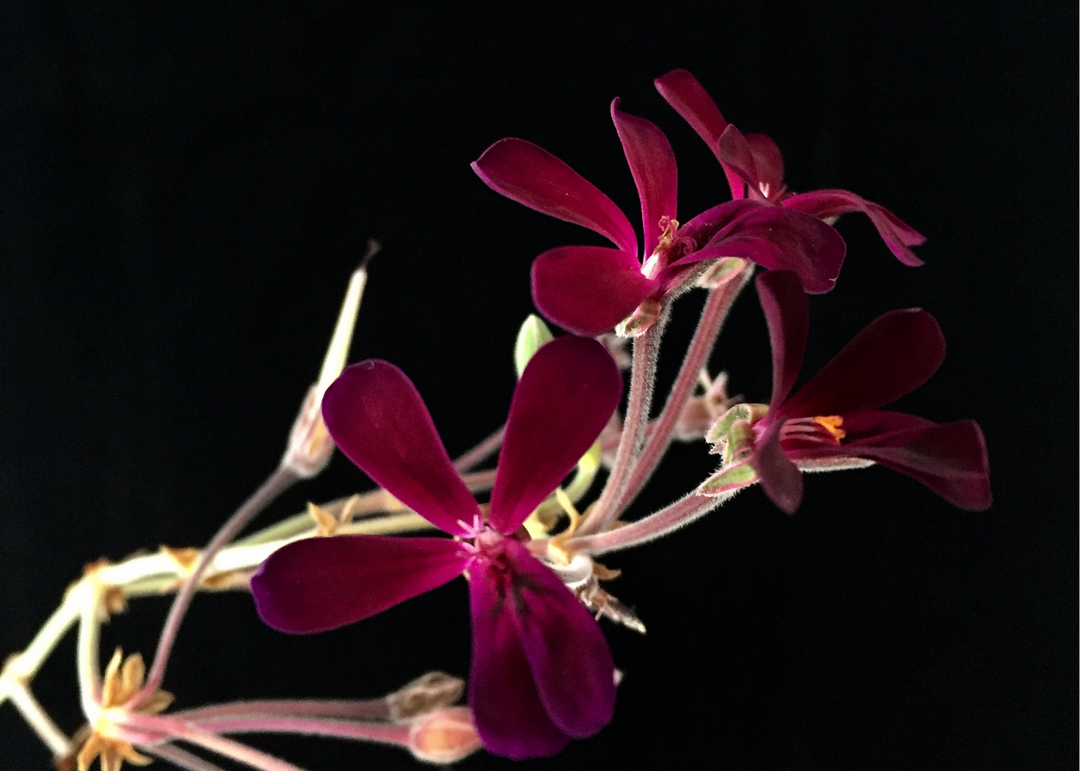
533,334
728,479
719,431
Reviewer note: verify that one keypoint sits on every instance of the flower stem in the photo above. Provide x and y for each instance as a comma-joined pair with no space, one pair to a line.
642,383
356,709
383,733
471,458
237,751
678,514
181,758
275,484
36,717
712,320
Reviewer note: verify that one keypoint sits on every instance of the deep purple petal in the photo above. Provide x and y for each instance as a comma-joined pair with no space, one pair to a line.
377,418
949,458
683,92
896,234
735,151
502,694
859,428
324,583
652,163
787,313
895,354
532,176
565,397
588,289
780,478
569,657
768,161
774,237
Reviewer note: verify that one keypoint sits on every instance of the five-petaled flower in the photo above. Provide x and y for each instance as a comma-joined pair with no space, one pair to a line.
755,168
542,672
590,289
834,422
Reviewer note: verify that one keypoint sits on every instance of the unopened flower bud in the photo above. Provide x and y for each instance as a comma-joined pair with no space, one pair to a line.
446,736
533,334
640,320
721,271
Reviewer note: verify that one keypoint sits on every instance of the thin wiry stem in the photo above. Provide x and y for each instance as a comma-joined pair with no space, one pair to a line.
382,733
237,751
642,383
36,717
180,757
478,453
277,483
712,320
357,709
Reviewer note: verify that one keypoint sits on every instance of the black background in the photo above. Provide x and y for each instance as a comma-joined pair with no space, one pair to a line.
186,187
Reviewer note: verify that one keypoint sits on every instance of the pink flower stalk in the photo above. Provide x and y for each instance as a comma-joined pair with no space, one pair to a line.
834,418
755,168
590,289
542,672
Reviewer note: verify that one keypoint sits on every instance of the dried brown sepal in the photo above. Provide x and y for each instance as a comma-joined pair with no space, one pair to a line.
229,579
325,522
427,693
184,557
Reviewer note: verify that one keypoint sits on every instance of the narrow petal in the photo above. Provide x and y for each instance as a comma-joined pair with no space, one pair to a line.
949,458
895,354
787,313
897,234
735,151
780,478
566,650
774,237
652,163
377,418
683,92
588,289
534,177
769,163
502,694
324,583
565,397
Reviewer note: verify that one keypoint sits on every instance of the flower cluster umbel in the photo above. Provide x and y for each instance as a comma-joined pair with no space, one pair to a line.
542,672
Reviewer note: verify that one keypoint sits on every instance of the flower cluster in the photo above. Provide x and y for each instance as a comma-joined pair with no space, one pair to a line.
541,670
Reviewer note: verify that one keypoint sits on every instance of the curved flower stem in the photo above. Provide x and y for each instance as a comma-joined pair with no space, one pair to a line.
39,720
642,383
712,320
237,751
278,482
678,514
358,709
181,758
469,459
383,733
88,665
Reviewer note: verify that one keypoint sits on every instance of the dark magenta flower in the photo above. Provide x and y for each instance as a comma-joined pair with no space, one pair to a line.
835,417
590,289
542,672
755,168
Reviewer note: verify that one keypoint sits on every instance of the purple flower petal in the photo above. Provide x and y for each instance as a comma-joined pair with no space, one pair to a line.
652,163
588,289
949,458
892,356
532,176
324,583
772,236
769,163
683,92
787,313
735,152
897,234
569,657
502,694
377,418
780,478
565,397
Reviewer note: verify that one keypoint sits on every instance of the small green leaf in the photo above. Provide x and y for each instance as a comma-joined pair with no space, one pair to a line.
718,433
533,334
727,479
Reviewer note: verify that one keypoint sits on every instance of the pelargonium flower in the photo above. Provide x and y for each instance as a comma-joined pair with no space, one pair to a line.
834,422
542,672
755,168
590,289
